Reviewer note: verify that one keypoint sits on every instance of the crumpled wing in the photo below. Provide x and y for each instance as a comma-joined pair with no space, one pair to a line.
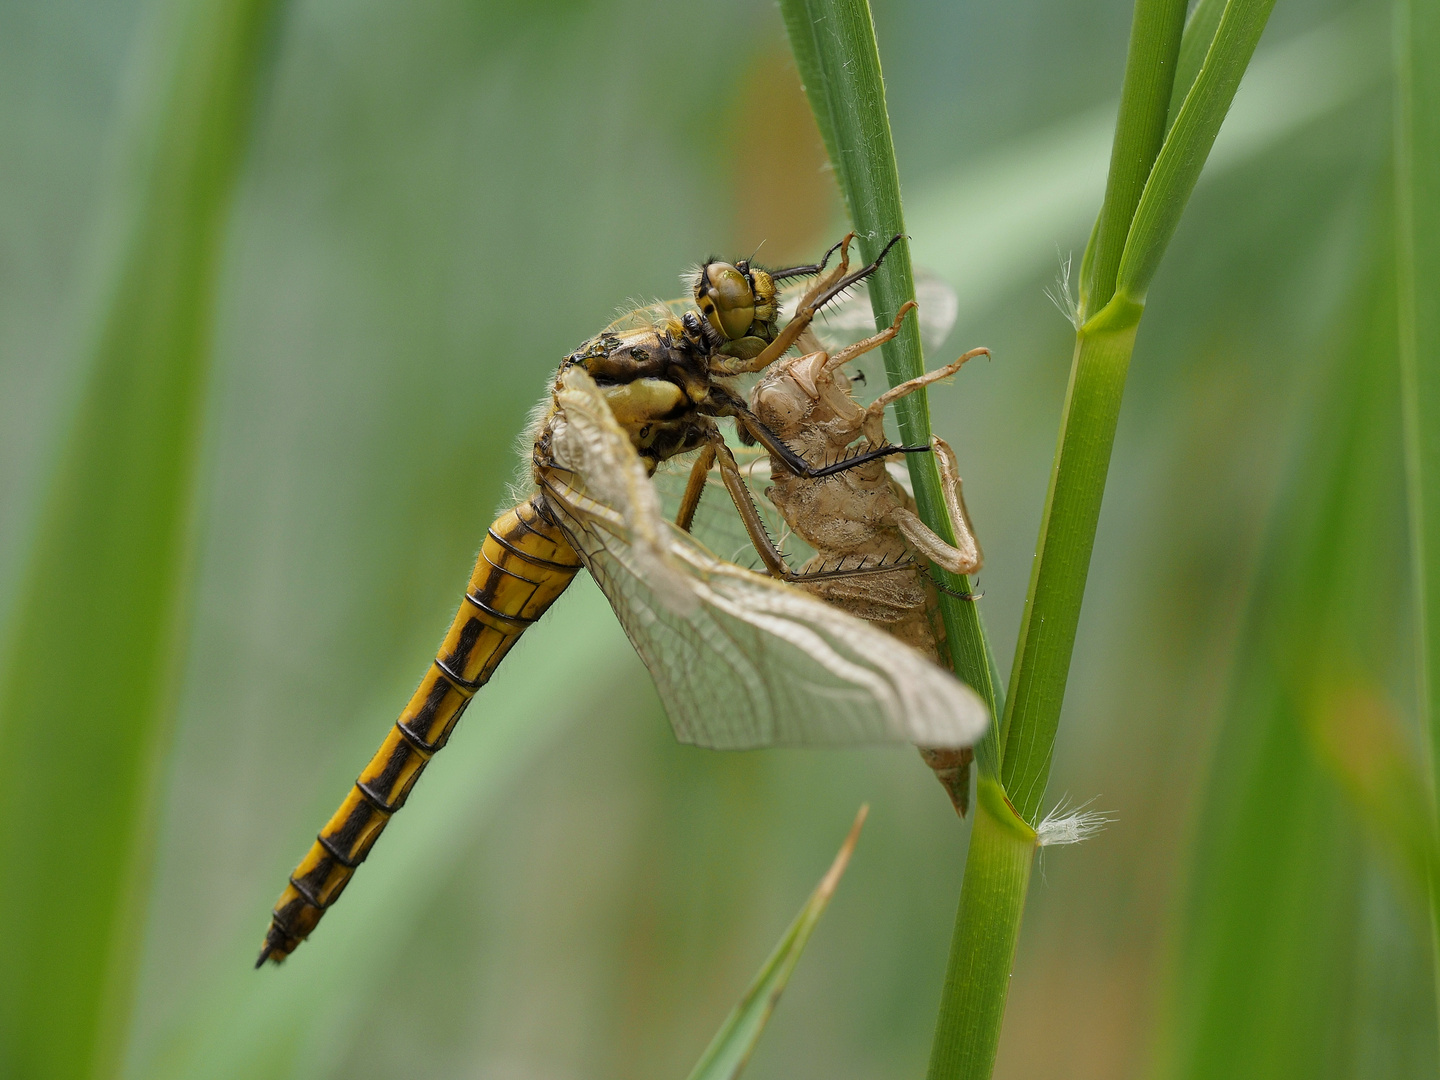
740,660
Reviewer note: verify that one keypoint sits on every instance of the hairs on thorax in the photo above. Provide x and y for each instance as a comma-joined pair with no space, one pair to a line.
522,486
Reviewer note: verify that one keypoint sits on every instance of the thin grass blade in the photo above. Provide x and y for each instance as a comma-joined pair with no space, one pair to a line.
1187,146
1267,979
730,1050
1139,132
1194,45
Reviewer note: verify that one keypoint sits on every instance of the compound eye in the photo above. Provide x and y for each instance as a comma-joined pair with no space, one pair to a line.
725,297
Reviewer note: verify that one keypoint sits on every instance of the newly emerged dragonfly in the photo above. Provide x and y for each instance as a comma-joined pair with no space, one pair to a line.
739,659
868,551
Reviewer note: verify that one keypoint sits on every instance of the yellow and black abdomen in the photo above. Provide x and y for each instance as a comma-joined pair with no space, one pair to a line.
525,563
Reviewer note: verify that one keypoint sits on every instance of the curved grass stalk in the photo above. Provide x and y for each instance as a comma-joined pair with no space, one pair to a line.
729,1052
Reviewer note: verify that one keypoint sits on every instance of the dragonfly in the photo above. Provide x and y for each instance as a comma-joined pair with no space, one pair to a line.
868,551
740,660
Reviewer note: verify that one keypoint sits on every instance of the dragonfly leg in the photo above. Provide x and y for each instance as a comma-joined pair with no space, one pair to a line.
965,556
740,495
699,472
751,423
812,268
770,554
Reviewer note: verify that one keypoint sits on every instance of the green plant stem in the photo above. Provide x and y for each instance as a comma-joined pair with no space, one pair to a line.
839,62
987,928
1103,347
1092,410
1417,173
1062,557
91,664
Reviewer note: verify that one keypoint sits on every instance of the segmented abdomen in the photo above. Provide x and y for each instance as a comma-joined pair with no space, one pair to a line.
525,563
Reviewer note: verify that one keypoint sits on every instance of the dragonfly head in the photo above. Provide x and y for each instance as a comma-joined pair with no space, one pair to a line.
738,301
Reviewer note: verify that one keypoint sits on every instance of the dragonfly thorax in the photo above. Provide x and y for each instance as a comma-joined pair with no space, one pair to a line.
656,380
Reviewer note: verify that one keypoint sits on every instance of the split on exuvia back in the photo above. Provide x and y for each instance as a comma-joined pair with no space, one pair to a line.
740,659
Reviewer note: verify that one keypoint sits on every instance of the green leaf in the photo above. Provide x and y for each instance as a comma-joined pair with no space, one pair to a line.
1188,143
730,1050
88,688
1359,736
1139,131
839,62
1199,33
1417,187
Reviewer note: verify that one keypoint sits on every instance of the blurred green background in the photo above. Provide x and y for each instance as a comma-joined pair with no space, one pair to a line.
437,201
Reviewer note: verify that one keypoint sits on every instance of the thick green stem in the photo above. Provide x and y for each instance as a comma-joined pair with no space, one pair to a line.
982,951
1062,557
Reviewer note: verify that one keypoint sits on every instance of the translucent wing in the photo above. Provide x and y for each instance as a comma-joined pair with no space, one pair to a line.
717,525
849,319
662,313
739,659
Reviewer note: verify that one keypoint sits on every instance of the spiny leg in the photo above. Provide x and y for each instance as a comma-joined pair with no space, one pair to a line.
740,495
771,555
699,474
798,465
812,268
